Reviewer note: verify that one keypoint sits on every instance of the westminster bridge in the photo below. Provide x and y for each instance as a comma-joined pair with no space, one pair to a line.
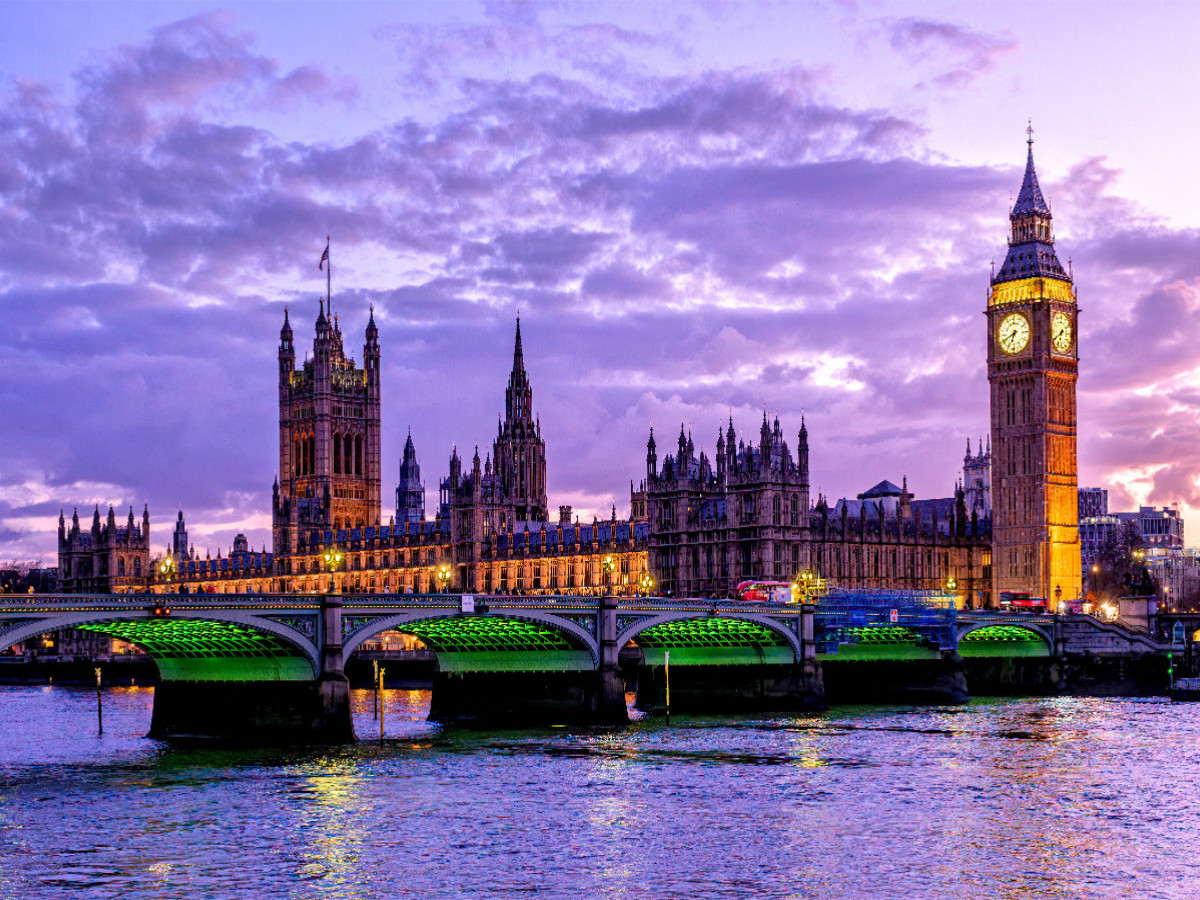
272,666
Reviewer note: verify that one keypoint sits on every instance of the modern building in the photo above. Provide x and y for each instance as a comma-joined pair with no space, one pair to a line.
1092,502
1159,529
1033,365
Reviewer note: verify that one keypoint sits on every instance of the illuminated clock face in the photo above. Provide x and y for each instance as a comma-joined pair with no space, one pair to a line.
1013,333
1060,332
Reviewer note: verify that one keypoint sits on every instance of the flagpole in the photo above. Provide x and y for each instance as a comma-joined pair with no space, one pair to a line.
329,279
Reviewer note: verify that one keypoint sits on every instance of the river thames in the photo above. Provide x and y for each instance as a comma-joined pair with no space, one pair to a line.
1015,798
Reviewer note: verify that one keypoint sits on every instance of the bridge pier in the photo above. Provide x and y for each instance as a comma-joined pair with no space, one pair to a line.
278,712
514,699
272,712
506,699
733,689
921,681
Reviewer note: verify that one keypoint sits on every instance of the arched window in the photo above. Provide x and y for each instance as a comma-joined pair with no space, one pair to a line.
120,565
137,568
358,454
337,454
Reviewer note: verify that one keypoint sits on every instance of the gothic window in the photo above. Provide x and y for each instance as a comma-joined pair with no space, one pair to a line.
358,454
775,517
121,566
337,453
137,568
795,512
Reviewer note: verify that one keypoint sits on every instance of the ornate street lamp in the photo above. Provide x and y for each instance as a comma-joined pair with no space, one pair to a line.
608,565
646,582
166,569
333,560
806,579
443,577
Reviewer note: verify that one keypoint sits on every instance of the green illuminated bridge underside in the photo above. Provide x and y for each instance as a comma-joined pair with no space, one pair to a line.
194,650
1002,640
493,644
199,650
883,642
714,642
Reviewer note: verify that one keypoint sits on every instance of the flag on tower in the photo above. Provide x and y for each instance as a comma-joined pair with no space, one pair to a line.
324,257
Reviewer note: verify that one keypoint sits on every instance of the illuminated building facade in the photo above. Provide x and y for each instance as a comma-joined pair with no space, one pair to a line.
748,517
1033,365
490,532
329,437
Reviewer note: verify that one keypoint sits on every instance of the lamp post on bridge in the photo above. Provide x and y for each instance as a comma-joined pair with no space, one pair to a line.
166,569
646,583
333,559
805,583
608,565
443,577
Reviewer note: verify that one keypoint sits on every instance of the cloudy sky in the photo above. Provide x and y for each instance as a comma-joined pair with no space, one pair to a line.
696,209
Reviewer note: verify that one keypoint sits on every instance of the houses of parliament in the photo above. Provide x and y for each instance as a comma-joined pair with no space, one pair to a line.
699,524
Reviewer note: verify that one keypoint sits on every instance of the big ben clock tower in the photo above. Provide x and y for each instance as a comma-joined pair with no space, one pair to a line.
1033,364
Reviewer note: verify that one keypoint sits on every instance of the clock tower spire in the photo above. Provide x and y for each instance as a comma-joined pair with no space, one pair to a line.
1033,365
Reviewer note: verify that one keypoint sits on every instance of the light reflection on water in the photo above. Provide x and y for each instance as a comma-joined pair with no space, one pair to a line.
1013,799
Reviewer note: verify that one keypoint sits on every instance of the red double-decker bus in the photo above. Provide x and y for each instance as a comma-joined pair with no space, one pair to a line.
1020,601
764,592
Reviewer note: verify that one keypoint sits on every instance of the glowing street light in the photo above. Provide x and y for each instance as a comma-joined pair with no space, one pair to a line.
333,559
805,581
608,565
646,583
443,577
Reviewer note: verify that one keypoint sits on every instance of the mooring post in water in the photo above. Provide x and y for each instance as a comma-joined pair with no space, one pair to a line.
667,678
99,703
379,691
375,664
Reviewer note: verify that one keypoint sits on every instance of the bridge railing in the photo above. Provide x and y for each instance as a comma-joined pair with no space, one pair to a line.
33,602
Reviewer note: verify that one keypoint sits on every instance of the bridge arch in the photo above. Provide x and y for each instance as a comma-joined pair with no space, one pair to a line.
490,642
222,647
983,639
706,639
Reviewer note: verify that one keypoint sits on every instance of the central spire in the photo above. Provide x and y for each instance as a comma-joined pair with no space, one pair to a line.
518,353
1031,241
1030,199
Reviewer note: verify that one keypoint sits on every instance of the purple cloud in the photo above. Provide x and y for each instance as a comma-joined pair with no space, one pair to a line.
678,246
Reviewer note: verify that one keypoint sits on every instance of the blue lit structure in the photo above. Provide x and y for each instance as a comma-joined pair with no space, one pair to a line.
885,623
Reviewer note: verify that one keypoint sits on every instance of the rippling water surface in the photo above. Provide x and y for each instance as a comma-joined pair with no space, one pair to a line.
997,799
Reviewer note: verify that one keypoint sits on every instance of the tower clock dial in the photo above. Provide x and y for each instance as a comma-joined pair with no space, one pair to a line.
1013,333
1060,332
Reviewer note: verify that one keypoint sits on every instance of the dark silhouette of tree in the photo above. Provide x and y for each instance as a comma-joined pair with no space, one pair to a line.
1118,573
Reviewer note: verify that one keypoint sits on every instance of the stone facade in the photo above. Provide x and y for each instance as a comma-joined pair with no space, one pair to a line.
748,517
329,437
106,558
